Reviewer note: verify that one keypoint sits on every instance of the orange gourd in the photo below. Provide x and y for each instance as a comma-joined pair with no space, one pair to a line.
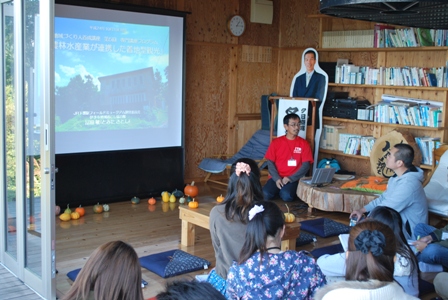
193,204
75,215
220,198
191,190
289,217
151,201
97,208
81,211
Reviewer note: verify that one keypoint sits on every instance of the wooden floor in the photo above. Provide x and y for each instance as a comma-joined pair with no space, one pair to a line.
149,229
13,288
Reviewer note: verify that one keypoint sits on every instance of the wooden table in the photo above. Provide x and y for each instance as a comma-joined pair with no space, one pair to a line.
192,217
332,197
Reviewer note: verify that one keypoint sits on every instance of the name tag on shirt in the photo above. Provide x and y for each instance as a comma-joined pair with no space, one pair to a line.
292,163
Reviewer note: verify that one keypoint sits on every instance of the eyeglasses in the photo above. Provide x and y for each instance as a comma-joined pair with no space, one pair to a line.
294,125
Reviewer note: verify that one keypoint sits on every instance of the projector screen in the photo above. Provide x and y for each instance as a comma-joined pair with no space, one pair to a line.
118,79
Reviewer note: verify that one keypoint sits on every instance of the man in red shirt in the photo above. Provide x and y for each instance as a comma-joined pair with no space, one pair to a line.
289,159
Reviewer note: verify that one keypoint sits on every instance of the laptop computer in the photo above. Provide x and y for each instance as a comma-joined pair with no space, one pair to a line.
321,176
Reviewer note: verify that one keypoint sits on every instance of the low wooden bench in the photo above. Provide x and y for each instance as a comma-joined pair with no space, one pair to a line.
192,217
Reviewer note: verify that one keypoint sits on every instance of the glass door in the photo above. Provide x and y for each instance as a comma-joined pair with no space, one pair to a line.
27,156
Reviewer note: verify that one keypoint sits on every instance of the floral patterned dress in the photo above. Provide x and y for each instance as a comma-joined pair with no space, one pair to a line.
284,275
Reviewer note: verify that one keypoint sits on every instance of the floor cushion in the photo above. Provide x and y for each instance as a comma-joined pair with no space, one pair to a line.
304,239
332,249
173,262
73,274
324,227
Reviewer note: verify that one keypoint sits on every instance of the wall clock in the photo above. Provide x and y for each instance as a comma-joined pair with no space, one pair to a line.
236,25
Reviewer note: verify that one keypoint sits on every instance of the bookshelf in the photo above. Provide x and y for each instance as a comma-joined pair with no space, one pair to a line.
434,56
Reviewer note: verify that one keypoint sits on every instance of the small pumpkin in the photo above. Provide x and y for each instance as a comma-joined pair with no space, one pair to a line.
289,217
106,207
151,201
182,200
166,197
172,198
191,190
193,204
177,193
189,199
135,200
75,215
220,198
57,210
98,208
81,211
65,217
68,210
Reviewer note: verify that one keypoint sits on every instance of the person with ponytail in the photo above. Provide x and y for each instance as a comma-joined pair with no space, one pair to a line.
263,271
369,274
406,264
228,220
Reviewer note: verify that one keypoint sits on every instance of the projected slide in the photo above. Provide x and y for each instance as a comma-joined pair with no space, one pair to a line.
118,80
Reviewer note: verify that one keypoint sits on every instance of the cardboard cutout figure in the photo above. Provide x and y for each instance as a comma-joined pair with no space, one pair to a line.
311,82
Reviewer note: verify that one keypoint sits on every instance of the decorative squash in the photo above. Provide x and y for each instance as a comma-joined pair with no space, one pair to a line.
220,198
189,199
166,197
182,200
65,217
172,198
81,211
106,207
75,215
191,190
193,204
135,200
68,210
177,193
97,208
57,210
289,217
151,201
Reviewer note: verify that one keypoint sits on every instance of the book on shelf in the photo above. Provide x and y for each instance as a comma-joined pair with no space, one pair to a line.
424,37
331,133
427,145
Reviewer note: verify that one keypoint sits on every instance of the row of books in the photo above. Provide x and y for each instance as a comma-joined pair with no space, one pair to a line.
391,76
348,39
427,145
408,111
335,137
386,36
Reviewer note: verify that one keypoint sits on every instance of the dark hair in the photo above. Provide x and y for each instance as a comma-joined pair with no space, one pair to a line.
405,153
310,51
189,290
242,191
112,272
289,117
364,266
392,218
263,224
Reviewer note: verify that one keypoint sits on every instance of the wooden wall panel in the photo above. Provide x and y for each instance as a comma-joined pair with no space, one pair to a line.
290,61
206,104
296,30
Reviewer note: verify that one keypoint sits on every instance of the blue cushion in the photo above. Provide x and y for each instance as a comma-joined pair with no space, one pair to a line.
73,274
172,263
332,249
305,238
324,227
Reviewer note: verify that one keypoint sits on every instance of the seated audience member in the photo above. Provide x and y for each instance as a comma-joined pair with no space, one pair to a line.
404,191
112,272
189,290
432,244
228,220
263,271
441,285
405,268
369,266
289,159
